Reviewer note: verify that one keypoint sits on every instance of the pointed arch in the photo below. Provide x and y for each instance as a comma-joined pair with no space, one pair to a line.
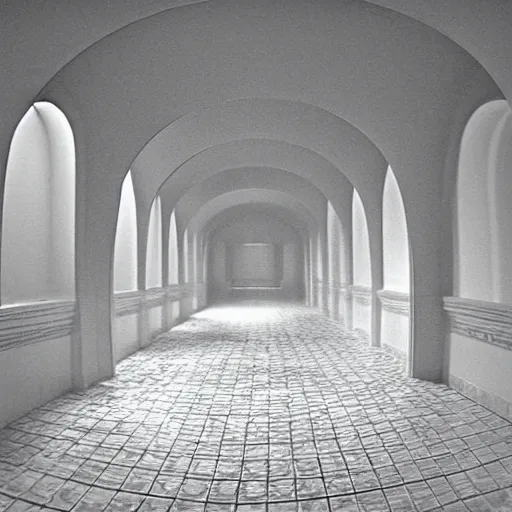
38,227
125,248
154,246
362,277
174,270
395,318
336,262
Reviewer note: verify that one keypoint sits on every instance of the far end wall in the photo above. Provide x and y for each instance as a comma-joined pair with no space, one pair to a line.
256,257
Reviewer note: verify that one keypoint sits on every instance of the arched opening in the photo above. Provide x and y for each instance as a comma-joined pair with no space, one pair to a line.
362,277
174,269
125,331
154,268
186,258
125,249
336,264
394,298
38,226
194,269
319,272
154,246
479,348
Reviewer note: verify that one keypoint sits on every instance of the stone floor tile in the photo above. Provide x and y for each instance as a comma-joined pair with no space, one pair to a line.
278,409
24,506
124,502
344,503
500,500
67,496
479,504
95,499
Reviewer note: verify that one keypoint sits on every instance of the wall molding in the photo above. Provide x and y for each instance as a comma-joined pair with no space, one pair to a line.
361,294
175,292
154,297
26,324
395,302
490,322
127,303
336,286
490,400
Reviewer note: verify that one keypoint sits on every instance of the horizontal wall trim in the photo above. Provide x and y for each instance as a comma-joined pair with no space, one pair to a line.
490,400
338,287
490,322
394,302
154,297
26,324
361,294
176,292
127,303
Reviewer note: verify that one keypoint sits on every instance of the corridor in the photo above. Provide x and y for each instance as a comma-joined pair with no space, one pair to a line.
269,406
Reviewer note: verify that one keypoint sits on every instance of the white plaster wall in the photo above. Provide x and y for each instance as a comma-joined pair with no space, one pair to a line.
173,251
395,241
360,244
395,331
256,228
473,264
187,271
194,267
125,249
173,313
337,270
126,336
395,328
361,317
39,213
501,207
155,320
483,263
482,364
361,314
291,282
217,273
154,246
33,375
319,247
26,225
62,194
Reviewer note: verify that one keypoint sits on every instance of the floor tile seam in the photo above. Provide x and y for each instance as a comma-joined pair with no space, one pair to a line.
59,438
466,470
217,460
237,494
319,464
315,498
190,463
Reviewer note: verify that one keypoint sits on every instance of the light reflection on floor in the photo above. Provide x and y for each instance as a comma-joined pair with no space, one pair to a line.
246,312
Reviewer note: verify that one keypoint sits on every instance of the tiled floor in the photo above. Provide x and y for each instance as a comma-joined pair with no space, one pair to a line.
272,408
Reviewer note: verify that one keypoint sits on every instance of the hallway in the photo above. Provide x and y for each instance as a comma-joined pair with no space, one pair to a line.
271,406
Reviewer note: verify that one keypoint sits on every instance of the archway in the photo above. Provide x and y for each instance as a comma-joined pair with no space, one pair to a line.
480,346
174,269
38,225
154,266
362,277
395,297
